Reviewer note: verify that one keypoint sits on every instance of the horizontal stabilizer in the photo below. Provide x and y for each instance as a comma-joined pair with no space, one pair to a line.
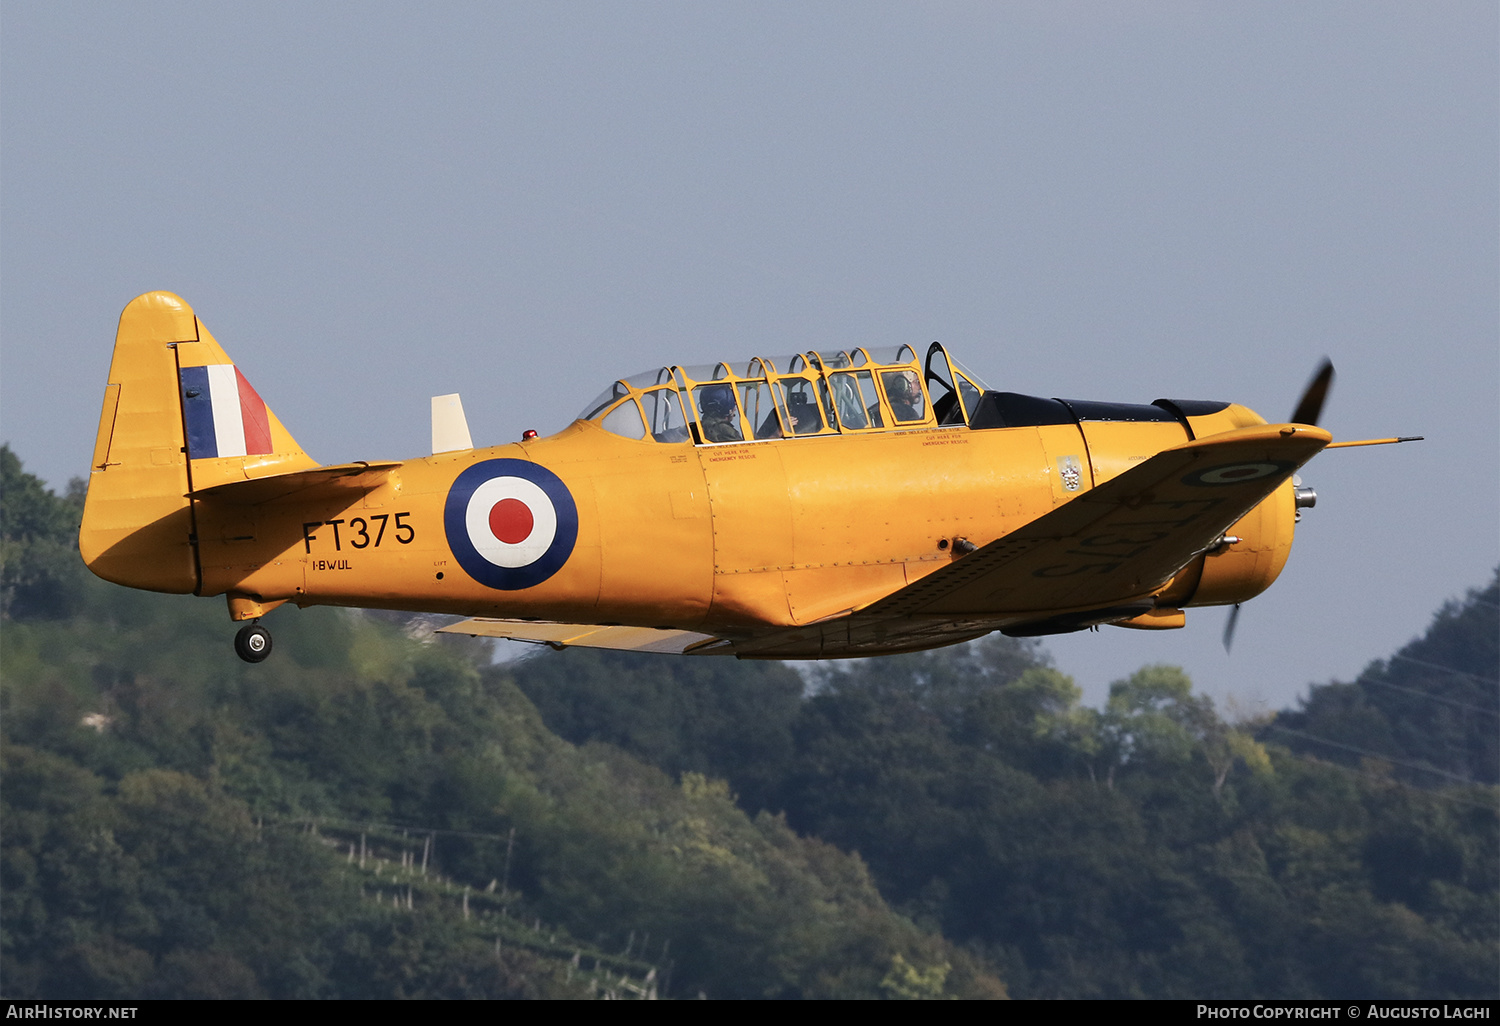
565,635
343,479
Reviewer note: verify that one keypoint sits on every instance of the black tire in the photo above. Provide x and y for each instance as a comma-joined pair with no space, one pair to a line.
252,643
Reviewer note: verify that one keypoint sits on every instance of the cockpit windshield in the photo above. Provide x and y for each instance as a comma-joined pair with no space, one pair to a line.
820,392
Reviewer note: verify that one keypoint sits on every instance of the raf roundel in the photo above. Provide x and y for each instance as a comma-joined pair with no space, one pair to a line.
1237,473
510,523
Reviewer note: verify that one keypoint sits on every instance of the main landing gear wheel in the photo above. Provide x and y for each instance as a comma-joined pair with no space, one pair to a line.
252,643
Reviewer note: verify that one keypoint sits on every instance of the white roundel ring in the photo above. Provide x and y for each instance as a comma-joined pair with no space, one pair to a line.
510,521
1237,473
511,524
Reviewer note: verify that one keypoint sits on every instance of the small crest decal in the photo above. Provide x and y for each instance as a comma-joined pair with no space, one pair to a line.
1071,471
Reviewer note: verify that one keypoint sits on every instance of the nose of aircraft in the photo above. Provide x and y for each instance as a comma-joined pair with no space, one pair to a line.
1309,408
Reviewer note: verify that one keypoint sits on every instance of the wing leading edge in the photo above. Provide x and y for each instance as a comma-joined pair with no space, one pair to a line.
1104,553
1099,557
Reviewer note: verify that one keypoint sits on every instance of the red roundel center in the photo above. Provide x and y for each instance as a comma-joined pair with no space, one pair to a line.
511,521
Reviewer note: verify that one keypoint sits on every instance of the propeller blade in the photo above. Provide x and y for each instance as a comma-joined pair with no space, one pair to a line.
1311,403
1309,408
1230,625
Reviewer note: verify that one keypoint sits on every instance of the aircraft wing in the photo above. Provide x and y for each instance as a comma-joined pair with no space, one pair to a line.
1107,550
303,485
566,635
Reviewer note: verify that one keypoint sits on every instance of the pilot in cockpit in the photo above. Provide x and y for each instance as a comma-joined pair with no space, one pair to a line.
905,394
719,414
803,413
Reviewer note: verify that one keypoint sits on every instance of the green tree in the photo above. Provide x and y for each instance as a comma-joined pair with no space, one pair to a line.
40,569
1432,708
718,716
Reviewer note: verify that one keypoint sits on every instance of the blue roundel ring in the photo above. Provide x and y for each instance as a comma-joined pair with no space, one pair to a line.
511,524
1237,473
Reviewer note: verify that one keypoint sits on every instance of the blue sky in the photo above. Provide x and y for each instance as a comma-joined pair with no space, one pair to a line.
372,204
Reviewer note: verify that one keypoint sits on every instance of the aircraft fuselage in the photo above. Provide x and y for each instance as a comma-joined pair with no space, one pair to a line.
778,532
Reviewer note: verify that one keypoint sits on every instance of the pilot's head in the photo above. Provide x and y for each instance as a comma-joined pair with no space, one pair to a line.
716,401
903,387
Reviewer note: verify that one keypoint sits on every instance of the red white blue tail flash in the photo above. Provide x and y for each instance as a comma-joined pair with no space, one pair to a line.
223,415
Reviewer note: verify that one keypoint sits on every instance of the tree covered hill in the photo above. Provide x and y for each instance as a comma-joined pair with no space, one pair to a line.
1432,710
371,815
1151,848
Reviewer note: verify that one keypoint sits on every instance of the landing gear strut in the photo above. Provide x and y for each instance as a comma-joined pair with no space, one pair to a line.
252,643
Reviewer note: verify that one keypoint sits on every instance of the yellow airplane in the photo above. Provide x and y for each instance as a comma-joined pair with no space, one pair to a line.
818,506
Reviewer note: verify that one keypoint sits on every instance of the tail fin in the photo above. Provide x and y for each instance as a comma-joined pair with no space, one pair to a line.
178,417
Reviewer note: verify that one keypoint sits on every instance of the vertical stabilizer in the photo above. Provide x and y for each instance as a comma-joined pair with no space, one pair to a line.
178,417
137,521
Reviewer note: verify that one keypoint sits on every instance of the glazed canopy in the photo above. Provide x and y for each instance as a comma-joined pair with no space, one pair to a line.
819,392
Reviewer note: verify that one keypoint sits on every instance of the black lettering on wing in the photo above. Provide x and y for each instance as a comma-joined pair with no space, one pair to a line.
1110,553
1073,569
1107,539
